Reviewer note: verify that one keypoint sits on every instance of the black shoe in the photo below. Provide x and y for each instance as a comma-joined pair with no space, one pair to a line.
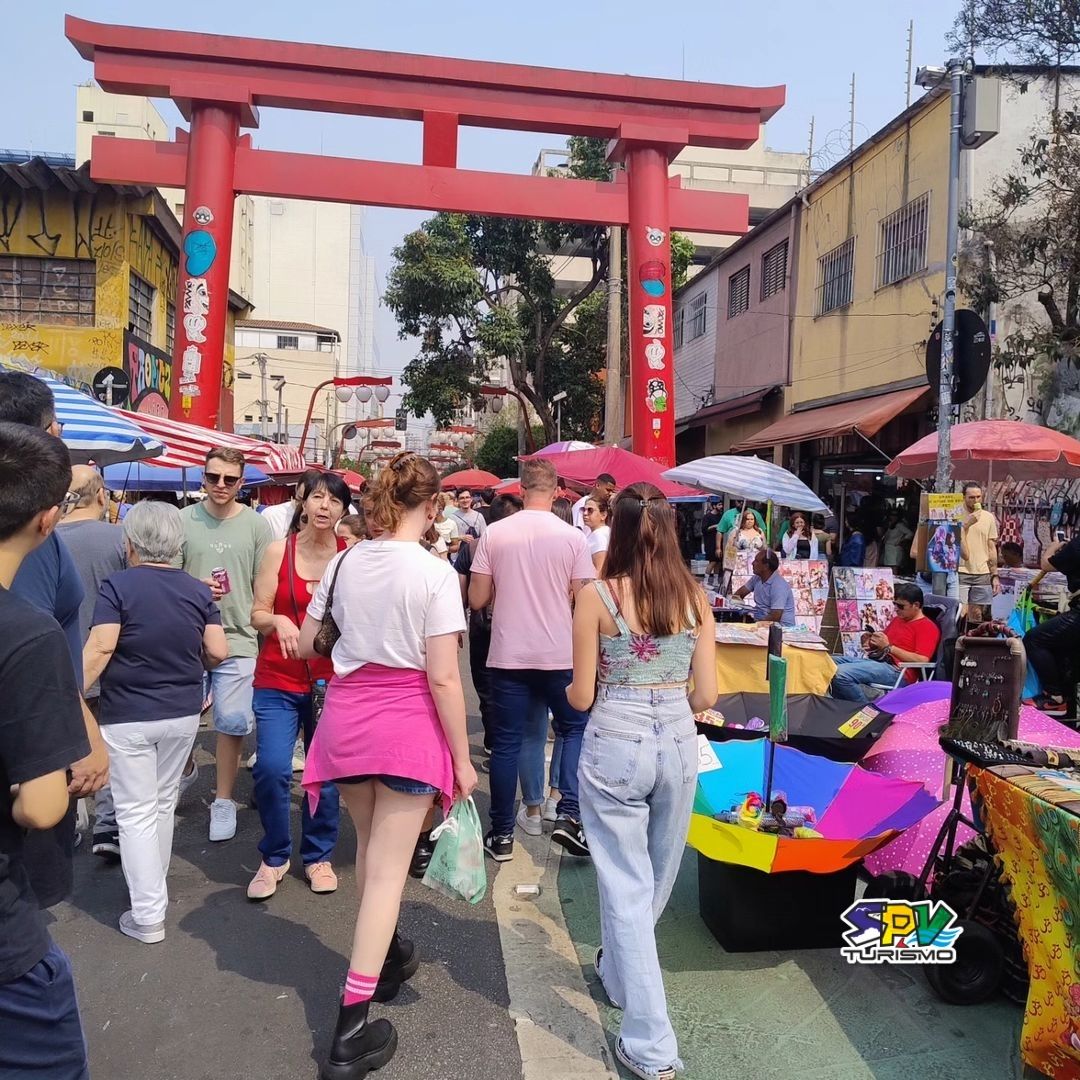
421,858
570,836
401,964
500,848
359,1046
107,845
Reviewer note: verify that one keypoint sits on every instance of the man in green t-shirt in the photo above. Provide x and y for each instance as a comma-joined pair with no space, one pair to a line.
220,532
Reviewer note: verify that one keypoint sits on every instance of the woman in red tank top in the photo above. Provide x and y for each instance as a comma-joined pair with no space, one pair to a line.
282,701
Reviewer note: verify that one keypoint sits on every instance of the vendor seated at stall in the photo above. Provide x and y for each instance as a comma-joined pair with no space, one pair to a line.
911,638
773,598
1053,646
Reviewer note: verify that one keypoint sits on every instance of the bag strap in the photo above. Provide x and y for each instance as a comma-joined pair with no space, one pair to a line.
290,560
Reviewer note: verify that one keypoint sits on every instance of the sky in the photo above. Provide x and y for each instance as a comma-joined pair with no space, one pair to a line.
812,48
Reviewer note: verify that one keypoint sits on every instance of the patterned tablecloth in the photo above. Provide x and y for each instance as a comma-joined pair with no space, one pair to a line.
1032,815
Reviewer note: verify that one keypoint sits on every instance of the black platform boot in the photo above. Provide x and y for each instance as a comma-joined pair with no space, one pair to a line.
401,964
359,1046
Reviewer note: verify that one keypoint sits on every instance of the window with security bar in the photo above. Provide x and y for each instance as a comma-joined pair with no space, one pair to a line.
141,306
170,327
288,341
774,270
902,241
53,291
738,293
680,326
836,270
698,313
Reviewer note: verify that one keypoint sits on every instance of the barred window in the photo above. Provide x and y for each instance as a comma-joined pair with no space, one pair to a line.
288,341
836,269
680,326
738,292
170,327
902,241
141,306
52,291
698,312
774,270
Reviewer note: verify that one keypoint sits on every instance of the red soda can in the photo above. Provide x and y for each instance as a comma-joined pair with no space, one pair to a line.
221,576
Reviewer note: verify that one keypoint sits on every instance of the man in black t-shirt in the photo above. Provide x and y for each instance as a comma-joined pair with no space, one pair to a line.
710,520
41,734
1054,645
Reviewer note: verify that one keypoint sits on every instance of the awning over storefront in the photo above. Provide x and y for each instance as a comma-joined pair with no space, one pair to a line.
726,410
865,417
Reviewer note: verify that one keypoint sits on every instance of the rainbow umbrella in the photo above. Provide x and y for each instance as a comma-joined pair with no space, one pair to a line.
856,811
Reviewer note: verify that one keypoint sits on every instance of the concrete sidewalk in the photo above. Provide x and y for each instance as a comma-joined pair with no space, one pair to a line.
802,1014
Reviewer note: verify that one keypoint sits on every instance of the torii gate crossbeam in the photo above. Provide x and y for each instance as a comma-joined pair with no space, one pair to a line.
220,82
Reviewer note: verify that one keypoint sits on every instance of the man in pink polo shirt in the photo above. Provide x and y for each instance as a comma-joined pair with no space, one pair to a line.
531,562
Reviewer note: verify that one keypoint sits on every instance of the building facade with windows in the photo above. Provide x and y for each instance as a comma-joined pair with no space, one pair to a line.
88,277
732,338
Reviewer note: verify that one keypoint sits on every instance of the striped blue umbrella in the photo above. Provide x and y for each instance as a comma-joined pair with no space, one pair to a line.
93,432
747,478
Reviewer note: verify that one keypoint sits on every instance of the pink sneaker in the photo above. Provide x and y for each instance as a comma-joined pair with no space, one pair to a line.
321,877
265,882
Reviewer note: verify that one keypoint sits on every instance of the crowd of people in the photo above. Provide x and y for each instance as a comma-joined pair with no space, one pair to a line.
339,625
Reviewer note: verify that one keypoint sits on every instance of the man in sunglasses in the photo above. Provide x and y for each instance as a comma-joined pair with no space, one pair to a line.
911,638
222,533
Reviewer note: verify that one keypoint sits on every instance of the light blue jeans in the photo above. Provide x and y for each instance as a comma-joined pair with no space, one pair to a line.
636,778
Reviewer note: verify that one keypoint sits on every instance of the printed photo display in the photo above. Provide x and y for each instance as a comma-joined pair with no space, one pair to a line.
864,605
809,581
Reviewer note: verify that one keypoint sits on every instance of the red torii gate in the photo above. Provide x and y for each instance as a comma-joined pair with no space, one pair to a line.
219,82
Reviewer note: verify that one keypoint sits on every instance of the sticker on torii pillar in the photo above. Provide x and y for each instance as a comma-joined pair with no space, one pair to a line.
202,215
196,308
656,396
654,354
654,320
652,275
654,236
191,365
201,250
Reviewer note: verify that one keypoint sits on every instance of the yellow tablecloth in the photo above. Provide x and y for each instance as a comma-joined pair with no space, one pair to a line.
741,669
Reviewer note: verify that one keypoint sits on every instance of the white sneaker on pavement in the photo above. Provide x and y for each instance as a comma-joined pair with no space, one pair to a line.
187,779
532,824
548,813
222,819
299,758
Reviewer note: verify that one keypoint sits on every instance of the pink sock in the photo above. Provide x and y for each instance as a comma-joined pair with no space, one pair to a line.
359,987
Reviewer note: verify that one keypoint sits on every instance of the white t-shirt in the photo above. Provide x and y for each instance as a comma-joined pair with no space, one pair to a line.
599,539
390,597
279,518
448,530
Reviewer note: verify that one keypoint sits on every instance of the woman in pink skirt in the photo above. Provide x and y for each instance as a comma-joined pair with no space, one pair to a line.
392,733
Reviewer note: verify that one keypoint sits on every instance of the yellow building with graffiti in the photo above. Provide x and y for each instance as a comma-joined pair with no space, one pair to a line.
88,277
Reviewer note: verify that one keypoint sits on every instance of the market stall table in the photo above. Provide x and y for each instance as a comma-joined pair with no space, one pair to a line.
741,665
1032,816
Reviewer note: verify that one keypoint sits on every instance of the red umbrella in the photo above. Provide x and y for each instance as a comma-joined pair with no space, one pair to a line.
354,480
985,449
513,487
584,466
470,478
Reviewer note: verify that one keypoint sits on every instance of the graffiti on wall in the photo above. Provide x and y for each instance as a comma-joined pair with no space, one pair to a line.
150,371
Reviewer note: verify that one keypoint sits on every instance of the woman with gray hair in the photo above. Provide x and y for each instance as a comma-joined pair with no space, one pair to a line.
155,628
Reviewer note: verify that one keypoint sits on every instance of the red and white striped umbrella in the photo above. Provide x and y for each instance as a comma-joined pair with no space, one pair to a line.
188,444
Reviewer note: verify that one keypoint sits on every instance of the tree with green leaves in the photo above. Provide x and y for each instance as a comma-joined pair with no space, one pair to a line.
1032,212
478,291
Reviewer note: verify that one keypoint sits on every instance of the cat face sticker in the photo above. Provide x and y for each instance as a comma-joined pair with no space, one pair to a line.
655,237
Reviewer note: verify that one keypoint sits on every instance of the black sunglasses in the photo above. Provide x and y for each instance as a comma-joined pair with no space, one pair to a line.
221,478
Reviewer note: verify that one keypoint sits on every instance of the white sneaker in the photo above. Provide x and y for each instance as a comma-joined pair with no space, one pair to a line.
148,934
251,762
548,813
299,759
532,824
222,819
187,780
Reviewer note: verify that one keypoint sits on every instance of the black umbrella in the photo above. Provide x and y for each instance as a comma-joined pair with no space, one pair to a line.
823,726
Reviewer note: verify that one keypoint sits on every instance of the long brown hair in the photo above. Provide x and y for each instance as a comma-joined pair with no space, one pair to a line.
644,549
406,482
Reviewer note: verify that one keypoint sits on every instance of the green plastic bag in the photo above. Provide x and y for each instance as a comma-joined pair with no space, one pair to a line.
457,863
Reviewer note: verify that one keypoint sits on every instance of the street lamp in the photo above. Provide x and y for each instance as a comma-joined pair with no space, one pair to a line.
346,384
557,401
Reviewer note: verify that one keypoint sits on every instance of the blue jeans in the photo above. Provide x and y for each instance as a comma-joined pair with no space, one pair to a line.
637,774
513,694
280,716
852,675
531,758
39,1017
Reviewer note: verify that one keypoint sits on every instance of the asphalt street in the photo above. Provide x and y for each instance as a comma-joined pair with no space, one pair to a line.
250,990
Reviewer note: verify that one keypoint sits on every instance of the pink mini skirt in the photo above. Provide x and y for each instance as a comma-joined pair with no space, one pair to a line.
379,721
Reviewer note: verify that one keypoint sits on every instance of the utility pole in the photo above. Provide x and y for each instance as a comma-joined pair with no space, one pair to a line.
279,386
910,44
851,119
613,387
955,72
264,398
991,325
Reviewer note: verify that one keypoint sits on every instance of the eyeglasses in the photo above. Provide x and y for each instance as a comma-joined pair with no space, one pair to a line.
69,501
900,605
215,478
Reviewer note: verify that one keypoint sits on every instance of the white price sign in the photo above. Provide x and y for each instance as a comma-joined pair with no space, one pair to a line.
707,759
